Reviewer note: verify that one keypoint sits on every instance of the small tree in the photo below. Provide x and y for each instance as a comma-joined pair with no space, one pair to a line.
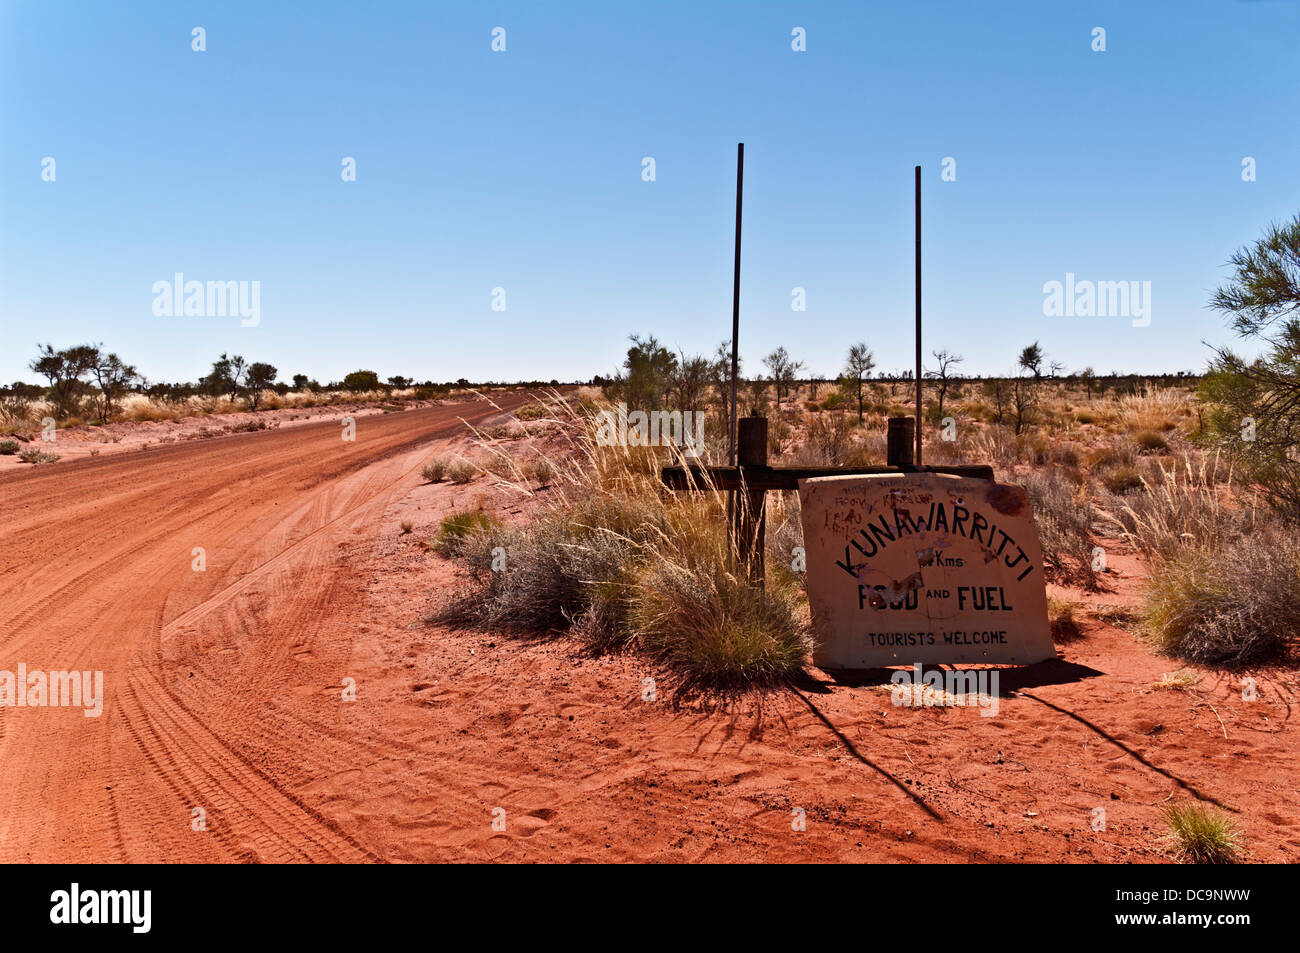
300,381
721,365
997,390
398,382
361,380
691,381
943,373
1088,377
1256,412
226,377
648,374
857,367
1024,401
114,379
65,370
783,370
1031,360
260,376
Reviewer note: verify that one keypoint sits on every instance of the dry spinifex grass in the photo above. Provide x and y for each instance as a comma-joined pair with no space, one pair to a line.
611,556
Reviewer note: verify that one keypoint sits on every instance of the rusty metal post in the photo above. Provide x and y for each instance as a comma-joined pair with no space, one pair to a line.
735,300
898,441
920,371
748,511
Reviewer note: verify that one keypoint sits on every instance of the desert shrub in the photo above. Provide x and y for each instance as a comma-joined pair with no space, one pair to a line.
867,450
460,471
1122,479
779,433
1066,454
540,470
1034,449
501,465
1184,506
1235,605
836,400
1151,442
613,560
1115,455
829,437
35,455
1223,588
435,471
454,529
407,526
1064,519
498,432
1086,417
1200,834
997,445
8,447
709,624
1061,621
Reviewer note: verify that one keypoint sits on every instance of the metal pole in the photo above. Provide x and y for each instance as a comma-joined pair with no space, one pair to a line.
918,316
735,299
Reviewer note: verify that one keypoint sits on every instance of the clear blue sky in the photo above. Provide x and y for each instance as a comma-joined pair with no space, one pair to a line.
522,170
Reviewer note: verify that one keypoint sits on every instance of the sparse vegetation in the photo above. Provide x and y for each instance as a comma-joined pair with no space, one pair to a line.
1065,517
616,562
1224,588
1122,479
1060,618
8,447
460,471
35,455
435,471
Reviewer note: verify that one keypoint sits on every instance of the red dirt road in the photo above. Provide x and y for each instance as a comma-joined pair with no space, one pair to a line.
221,686
223,693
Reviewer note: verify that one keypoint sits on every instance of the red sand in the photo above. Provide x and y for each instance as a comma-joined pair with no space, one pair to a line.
224,693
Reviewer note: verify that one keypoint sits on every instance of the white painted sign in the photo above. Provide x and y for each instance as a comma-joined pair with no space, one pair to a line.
923,567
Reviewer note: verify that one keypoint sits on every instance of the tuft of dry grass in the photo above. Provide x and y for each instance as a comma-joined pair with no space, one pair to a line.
1121,480
1060,617
1182,680
1151,442
1201,835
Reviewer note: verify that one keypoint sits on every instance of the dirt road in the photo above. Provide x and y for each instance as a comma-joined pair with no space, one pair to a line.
201,578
